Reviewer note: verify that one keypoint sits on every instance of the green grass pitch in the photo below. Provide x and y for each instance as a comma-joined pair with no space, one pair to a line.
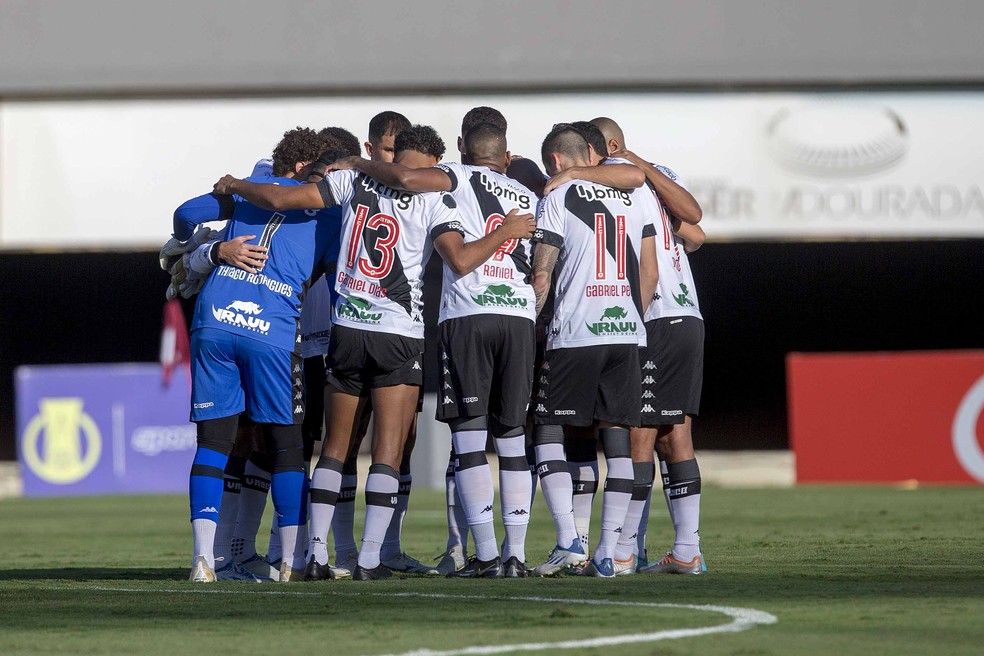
845,570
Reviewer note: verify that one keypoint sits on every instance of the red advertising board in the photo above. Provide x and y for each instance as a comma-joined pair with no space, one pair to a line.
887,417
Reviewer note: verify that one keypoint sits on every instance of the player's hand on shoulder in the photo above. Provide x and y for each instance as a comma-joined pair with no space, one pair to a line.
345,164
248,257
224,185
518,226
561,178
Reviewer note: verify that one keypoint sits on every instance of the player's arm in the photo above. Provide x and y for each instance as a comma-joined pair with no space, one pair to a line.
276,197
620,176
544,260
464,257
202,209
677,200
648,271
397,176
692,235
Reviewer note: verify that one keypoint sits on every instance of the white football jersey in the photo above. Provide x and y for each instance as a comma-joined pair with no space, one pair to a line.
676,295
502,284
599,231
386,238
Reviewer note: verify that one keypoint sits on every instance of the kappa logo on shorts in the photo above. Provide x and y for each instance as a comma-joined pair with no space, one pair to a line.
447,400
202,406
540,408
648,408
540,394
444,356
241,314
298,409
416,366
446,372
564,412
470,399
447,385
299,396
546,366
649,365
648,394
297,369
671,413
615,326
648,380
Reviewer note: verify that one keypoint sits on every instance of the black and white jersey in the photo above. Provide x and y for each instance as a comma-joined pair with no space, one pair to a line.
599,231
386,238
502,284
676,295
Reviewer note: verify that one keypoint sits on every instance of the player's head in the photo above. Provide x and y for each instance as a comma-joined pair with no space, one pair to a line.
383,130
485,145
298,149
419,146
614,139
477,115
563,148
342,140
595,139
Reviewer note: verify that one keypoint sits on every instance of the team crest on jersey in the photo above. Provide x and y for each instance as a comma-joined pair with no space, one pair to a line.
242,314
610,322
358,309
501,295
683,298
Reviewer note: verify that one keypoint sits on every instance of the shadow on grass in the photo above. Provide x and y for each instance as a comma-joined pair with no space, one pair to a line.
94,574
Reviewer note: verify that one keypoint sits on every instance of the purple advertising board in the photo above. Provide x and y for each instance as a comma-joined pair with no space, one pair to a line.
103,429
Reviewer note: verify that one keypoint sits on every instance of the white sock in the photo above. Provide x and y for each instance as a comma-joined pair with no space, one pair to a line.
684,491
457,521
584,479
473,479
343,521
382,488
618,489
292,544
514,494
203,532
252,502
275,550
555,480
392,543
642,485
325,484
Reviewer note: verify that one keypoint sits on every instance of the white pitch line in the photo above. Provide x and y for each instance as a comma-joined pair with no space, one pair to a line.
743,619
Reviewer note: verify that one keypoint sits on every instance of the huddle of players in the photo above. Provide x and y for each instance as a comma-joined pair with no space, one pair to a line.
605,231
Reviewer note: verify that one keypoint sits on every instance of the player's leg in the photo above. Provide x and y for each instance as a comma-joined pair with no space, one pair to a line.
343,520
678,402
394,406
217,399
473,480
232,487
581,445
631,550
288,487
618,407
456,554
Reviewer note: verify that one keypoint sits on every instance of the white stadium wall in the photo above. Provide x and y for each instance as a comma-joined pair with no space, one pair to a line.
109,173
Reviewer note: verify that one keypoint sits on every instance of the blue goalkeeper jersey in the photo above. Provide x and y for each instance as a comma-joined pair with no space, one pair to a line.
266,305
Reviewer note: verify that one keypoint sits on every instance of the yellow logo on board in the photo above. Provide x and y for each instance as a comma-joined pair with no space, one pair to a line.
61,459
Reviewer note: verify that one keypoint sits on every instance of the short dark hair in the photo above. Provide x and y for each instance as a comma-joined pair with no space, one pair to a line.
342,140
483,141
385,123
593,135
478,115
297,145
565,140
422,139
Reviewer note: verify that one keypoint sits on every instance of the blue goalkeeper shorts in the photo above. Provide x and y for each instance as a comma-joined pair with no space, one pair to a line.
230,373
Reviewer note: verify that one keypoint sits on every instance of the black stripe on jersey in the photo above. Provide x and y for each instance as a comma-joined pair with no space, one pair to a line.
395,284
490,204
270,229
549,238
451,175
648,230
450,226
326,195
585,210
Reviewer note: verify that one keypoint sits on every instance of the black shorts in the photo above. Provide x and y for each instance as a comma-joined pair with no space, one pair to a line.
577,386
361,360
672,370
486,368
